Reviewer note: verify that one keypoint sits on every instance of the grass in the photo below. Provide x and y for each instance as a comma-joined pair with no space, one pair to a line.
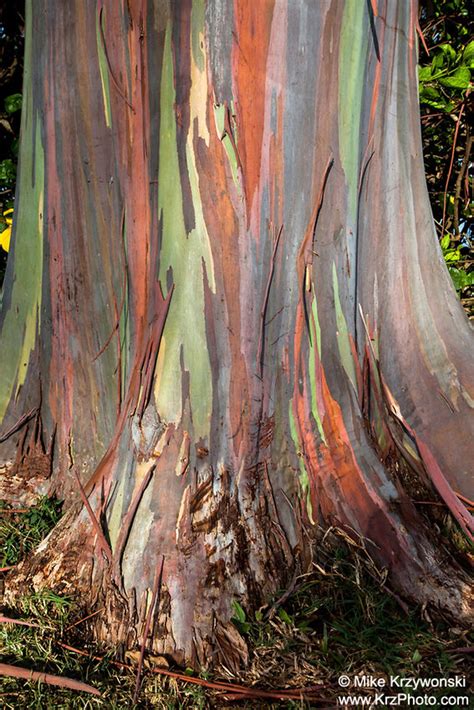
22,532
339,618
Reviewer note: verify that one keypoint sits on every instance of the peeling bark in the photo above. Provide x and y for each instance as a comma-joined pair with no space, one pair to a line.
225,316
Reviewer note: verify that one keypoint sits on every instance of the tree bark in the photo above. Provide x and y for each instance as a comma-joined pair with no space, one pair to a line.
225,316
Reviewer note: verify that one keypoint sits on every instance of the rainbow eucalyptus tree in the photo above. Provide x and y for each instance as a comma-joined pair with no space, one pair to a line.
225,316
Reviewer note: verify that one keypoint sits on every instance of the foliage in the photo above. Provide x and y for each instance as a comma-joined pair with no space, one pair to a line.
445,78
13,103
7,172
445,81
462,278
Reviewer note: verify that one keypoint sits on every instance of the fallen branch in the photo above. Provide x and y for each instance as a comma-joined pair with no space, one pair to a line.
20,622
60,681
89,616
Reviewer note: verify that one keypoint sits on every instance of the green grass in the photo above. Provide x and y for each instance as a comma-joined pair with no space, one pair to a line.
339,618
22,532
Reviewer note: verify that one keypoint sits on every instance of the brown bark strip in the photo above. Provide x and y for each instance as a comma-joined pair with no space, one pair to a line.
147,369
318,206
356,265
18,425
306,250
97,527
112,76
263,312
201,492
60,681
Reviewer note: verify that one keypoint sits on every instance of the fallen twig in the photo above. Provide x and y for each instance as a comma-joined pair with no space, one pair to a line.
13,511
89,616
241,691
469,503
61,681
19,622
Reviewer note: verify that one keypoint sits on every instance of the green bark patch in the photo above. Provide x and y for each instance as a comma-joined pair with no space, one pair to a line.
184,338
22,320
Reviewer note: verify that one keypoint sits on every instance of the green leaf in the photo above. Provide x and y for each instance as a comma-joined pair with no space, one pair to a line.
437,62
431,97
239,618
429,92
285,617
416,658
452,255
424,73
448,52
460,79
13,103
7,172
468,55
239,613
461,279
445,242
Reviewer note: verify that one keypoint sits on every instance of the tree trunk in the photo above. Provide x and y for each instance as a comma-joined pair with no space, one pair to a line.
225,316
